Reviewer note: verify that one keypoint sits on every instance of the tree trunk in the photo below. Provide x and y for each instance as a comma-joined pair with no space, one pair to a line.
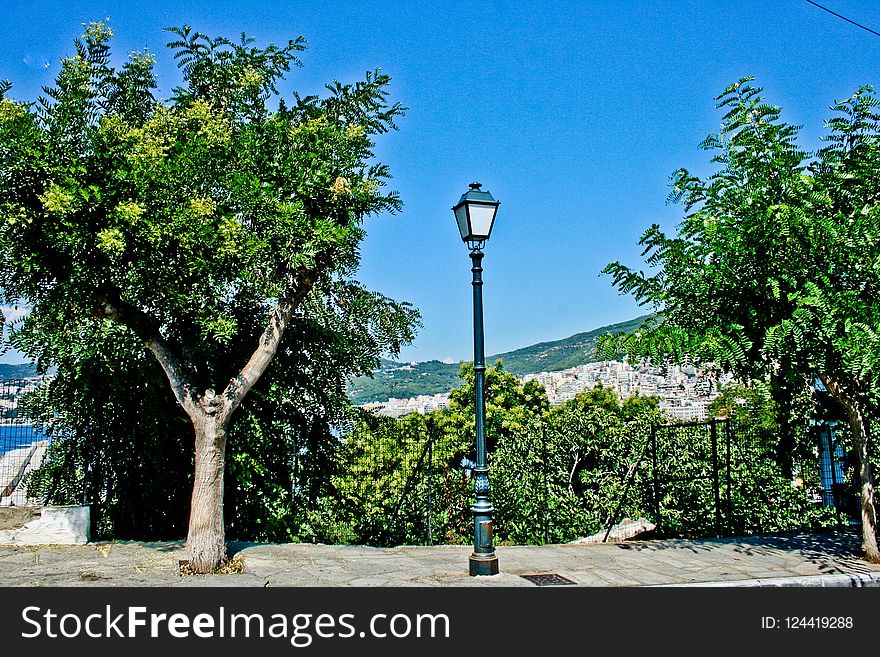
859,430
210,413
866,481
206,537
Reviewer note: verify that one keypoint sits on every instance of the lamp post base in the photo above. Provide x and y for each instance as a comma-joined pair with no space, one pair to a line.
483,564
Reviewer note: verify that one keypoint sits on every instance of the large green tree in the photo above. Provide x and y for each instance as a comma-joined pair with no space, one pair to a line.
774,272
208,226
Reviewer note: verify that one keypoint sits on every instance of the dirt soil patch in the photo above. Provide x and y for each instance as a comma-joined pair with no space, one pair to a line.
15,517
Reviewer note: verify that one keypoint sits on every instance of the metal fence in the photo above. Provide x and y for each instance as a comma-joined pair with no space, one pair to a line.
710,478
388,492
697,475
22,447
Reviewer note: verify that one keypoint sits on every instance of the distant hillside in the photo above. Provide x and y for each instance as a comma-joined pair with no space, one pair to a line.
561,354
20,371
403,380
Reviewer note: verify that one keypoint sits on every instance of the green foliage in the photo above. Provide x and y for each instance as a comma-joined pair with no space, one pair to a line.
557,473
771,263
200,211
381,480
540,463
510,405
597,449
764,501
751,405
120,431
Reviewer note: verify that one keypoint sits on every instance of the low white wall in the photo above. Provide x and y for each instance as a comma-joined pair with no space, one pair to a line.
57,525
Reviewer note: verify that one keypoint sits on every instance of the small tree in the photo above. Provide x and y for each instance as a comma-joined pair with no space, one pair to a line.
775,270
208,226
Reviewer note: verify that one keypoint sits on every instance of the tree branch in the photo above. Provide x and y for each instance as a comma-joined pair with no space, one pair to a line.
279,318
180,376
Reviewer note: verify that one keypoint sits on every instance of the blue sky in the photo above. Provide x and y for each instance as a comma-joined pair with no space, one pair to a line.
573,114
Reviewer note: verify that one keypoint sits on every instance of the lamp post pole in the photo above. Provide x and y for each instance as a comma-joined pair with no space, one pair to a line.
475,214
483,561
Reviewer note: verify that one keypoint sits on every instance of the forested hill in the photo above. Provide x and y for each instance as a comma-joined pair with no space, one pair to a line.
18,371
403,380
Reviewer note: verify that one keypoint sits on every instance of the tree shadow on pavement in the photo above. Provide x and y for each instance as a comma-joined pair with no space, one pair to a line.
832,552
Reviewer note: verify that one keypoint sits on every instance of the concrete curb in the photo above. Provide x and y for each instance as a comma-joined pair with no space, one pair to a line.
842,580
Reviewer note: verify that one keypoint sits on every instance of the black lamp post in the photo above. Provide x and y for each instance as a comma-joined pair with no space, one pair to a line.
475,214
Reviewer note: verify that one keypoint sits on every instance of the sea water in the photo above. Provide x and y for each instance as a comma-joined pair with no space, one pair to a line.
16,436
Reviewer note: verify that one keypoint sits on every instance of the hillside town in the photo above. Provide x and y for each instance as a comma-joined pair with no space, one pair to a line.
11,390
685,391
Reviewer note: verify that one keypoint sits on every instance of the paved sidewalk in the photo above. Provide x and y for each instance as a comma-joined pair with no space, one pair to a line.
795,560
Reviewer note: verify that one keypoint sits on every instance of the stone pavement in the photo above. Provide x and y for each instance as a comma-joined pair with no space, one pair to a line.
791,560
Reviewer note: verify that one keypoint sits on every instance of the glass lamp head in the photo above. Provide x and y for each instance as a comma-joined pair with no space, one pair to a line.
475,214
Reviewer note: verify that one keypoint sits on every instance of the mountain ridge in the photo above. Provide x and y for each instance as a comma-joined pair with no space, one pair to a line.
17,370
402,380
